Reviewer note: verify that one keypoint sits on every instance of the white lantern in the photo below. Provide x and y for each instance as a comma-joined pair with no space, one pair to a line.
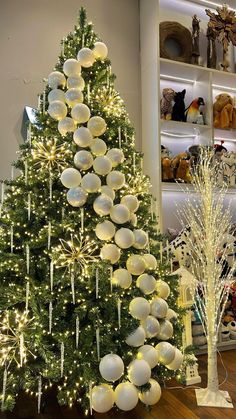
151,262
83,160
124,238
116,156
115,180
171,314
149,354
131,202
80,113
146,283
56,79
139,308
91,183
76,197
162,289
139,372
108,191
140,239
110,252
122,278
71,67
70,178
135,264
120,214
152,395
102,165
102,205
126,396
76,81
133,219
165,352
100,51
57,110
66,125
166,330
136,338
98,147
105,230
56,94
103,398
159,308
82,137
177,361
73,96
151,326
111,367
97,125
86,57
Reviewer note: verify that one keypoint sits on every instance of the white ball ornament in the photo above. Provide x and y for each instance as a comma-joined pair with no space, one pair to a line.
76,81
131,202
133,219
108,191
151,326
71,67
152,395
122,278
165,352
110,252
57,110
124,238
139,308
66,125
102,205
120,214
83,160
166,330
162,289
116,156
140,239
136,338
98,147
146,283
111,367
73,96
115,180
76,197
100,51
82,137
70,178
97,125
102,165
150,260
56,94
105,230
177,361
171,314
86,57
149,354
139,372
135,264
80,113
91,183
126,396
103,398
159,308
56,79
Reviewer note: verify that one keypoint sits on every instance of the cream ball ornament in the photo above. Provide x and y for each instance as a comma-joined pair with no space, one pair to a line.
103,398
57,110
105,230
177,361
116,156
91,183
136,338
98,147
152,395
83,160
122,278
56,94
102,165
166,330
149,354
165,352
71,67
97,125
110,252
70,178
100,50
80,113
140,239
115,180
139,372
159,308
146,283
120,214
73,96
151,326
131,202
171,314
76,81
133,219
124,238
56,79
163,289
108,191
151,262
77,197
82,137
139,308
102,205
135,264
111,367
85,57
66,125
126,396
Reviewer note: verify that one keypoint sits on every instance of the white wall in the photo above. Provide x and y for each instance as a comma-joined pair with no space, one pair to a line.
30,34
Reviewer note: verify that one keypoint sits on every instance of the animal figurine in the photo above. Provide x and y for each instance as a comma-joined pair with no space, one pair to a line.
193,113
179,106
183,171
166,103
228,160
166,168
224,113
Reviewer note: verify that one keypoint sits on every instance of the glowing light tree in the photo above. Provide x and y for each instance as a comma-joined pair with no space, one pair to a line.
85,286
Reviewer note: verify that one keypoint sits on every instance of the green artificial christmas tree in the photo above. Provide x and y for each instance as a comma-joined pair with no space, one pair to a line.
84,281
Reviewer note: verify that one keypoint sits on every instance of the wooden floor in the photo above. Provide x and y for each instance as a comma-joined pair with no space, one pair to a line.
174,403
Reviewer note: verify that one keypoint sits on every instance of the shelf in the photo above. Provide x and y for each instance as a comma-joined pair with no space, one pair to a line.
222,346
183,128
184,187
225,134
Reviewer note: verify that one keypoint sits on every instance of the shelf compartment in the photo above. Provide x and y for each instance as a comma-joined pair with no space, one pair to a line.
186,129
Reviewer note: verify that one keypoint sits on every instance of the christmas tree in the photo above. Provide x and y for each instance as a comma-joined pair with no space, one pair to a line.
84,279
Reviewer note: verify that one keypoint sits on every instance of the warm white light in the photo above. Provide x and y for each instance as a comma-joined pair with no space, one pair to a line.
170,134
230,89
175,78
